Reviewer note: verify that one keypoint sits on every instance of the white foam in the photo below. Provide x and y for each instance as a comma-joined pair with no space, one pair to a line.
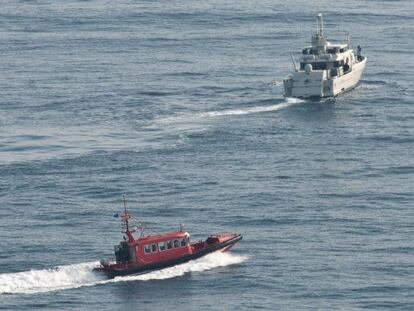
370,86
210,261
78,275
49,279
289,102
277,83
188,119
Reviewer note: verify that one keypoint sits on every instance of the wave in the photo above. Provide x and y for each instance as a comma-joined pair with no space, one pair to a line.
188,118
79,275
289,102
62,277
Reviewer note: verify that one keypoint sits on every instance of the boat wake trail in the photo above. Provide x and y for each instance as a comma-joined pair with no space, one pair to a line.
79,275
187,121
62,277
289,102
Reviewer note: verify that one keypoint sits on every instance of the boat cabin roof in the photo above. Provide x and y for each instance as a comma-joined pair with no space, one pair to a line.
330,49
164,237
336,45
331,45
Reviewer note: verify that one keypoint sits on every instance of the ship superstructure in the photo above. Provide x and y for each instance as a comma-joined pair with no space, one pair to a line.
325,69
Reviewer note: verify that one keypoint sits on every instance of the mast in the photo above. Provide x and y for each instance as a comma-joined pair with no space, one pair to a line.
319,39
125,217
320,22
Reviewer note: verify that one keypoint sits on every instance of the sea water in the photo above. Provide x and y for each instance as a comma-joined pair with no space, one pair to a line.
179,105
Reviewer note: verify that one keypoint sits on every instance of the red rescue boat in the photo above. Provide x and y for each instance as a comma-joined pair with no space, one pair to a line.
153,252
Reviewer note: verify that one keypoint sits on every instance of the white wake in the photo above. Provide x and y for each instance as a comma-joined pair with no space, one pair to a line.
228,112
187,120
62,277
78,275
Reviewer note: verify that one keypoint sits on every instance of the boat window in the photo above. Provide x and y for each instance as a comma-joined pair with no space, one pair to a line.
147,249
161,246
332,50
319,66
176,244
315,66
337,64
122,253
169,244
183,242
154,248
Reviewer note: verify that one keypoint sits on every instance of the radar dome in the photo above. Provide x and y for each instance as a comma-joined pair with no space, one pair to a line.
308,68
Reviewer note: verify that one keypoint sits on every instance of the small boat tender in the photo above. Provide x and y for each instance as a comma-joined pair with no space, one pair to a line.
325,69
152,252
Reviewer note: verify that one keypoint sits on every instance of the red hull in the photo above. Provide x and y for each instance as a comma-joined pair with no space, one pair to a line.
137,255
214,243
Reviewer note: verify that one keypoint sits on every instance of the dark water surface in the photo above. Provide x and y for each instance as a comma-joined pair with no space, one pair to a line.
179,104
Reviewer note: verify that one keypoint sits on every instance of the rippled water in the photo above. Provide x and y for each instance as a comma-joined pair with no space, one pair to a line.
179,105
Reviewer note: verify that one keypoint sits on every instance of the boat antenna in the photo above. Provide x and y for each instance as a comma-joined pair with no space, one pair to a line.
319,24
294,63
125,219
126,216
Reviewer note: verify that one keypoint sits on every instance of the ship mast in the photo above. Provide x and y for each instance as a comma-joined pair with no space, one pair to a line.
319,24
126,216
125,220
319,39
